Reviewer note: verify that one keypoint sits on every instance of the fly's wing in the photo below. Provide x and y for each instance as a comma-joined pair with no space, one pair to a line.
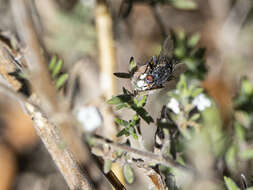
167,47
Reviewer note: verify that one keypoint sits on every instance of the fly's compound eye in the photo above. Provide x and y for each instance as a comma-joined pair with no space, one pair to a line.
149,78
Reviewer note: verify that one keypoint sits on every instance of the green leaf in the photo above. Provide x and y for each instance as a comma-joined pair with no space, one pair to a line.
52,63
121,122
247,87
142,102
133,133
230,184
107,166
23,75
132,64
123,132
184,4
123,75
57,69
194,39
143,114
120,106
128,174
196,92
120,99
61,80
195,117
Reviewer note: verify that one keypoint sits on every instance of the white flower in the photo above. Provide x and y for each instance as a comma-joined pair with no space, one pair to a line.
89,117
174,105
202,102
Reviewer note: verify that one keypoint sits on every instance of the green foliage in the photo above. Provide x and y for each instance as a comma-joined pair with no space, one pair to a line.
55,67
130,101
244,100
230,184
190,127
132,69
184,4
180,4
187,51
128,173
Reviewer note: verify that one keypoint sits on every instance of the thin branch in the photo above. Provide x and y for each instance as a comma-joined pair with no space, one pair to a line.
51,137
37,65
149,157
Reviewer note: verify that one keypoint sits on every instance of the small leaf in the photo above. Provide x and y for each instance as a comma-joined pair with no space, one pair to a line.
230,184
143,114
61,80
142,102
133,133
128,174
136,119
184,4
195,117
121,122
52,63
123,75
247,87
23,75
196,92
135,136
194,39
120,106
107,166
123,132
57,69
132,64
124,98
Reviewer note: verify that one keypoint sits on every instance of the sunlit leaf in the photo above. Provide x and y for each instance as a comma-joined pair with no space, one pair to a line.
194,39
61,80
120,106
195,117
142,102
57,69
132,64
128,174
230,184
184,4
121,122
52,63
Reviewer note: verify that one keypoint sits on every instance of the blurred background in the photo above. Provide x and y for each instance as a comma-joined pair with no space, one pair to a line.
70,30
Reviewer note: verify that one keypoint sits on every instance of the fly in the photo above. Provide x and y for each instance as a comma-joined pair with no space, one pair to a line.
157,71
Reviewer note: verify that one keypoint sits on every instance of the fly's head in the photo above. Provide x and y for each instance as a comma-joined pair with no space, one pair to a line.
153,75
